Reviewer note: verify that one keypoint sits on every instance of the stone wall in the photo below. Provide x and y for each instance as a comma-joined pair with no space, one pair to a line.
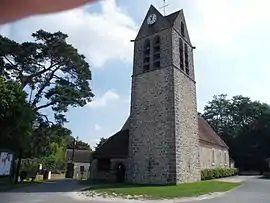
151,140
151,149
186,116
213,156
109,175
186,129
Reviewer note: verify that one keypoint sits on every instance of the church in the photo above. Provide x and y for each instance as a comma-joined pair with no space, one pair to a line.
164,141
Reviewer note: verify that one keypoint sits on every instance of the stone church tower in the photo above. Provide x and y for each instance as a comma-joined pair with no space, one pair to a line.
163,140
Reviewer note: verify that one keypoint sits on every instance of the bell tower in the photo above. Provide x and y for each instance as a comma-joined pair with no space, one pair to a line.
163,140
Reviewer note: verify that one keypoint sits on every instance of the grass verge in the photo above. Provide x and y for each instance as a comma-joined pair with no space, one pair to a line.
161,192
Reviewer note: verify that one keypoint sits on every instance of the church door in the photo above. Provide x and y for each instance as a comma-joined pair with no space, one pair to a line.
120,173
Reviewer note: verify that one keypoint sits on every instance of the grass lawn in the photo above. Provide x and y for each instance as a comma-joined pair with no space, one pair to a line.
159,192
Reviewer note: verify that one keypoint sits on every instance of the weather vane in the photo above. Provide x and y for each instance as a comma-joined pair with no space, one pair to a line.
164,7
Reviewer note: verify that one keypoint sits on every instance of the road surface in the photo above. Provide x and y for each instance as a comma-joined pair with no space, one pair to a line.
253,190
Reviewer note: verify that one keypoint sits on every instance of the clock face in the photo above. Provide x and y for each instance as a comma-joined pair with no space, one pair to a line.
151,19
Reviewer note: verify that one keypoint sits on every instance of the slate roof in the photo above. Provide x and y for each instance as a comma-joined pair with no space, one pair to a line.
80,156
172,17
208,135
117,145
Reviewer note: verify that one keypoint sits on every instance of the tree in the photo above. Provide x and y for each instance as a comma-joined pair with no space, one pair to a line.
45,134
56,74
16,116
80,145
101,142
244,125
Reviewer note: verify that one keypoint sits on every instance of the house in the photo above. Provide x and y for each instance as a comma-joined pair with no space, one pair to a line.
81,162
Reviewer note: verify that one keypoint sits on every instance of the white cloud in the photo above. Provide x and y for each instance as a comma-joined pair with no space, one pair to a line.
223,20
109,97
97,134
100,36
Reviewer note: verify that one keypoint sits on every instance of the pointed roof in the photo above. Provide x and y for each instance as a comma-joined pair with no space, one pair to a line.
172,17
161,23
208,135
80,156
172,20
117,145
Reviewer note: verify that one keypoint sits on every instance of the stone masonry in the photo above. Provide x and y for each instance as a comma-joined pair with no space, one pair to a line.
164,142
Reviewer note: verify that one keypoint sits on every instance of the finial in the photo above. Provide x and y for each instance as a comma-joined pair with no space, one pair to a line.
164,7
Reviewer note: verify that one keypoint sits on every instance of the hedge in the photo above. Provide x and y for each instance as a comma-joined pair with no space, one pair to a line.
207,174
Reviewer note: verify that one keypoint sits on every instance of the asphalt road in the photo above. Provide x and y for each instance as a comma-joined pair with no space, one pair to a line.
50,192
253,190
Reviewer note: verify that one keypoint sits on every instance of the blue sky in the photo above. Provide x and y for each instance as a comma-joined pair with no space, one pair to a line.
232,56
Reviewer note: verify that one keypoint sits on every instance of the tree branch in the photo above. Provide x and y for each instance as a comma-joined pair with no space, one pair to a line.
45,105
30,77
46,118
38,95
11,62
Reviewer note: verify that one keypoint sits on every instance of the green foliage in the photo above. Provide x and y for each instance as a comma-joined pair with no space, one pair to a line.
78,144
245,126
101,142
207,174
56,73
30,165
48,146
44,139
16,116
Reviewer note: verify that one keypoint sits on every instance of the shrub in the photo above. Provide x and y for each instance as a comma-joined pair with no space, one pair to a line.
207,174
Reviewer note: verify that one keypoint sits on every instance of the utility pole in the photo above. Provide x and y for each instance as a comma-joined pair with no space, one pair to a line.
73,150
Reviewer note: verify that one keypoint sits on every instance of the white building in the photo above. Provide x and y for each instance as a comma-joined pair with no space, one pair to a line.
81,162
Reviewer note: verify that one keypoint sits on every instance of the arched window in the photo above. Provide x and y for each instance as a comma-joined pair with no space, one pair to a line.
156,52
181,53
182,29
146,56
186,59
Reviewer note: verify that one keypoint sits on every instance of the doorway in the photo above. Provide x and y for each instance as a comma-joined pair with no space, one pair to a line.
120,172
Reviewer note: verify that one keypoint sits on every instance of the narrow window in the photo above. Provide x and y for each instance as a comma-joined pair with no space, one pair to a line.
156,52
220,158
213,156
147,44
146,68
225,158
186,59
157,64
181,52
182,29
146,56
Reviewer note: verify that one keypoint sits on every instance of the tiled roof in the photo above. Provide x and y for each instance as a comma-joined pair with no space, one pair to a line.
80,156
207,134
117,145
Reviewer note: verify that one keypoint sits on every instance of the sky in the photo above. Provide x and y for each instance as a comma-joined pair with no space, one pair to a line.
231,56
